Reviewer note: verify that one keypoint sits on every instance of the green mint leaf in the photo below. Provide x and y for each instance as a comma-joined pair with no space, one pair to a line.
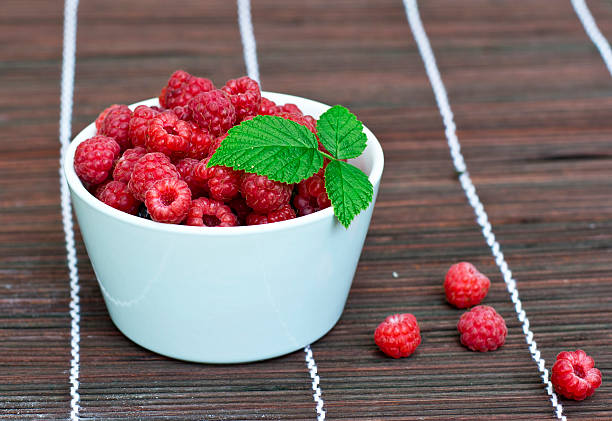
341,133
349,190
280,149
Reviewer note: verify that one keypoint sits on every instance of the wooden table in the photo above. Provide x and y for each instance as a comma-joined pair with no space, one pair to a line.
532,101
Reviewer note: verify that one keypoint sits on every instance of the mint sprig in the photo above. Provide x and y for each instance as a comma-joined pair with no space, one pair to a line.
288,152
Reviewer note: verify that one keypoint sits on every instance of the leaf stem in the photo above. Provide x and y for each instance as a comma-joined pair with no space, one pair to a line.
326,155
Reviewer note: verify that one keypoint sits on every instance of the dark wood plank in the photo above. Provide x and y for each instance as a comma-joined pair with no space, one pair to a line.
532,101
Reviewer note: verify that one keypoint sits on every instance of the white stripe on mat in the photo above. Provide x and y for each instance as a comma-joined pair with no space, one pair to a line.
433,73
65,129
249,47
593,32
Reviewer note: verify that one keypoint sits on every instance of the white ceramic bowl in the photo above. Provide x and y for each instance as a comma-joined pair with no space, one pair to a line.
224,295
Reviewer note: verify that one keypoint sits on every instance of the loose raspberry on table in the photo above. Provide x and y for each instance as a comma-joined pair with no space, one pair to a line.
465,286
398,335
116,124
213,111
117,195
284,213
482,329
125,165
169,135
245,96
264,195
168,200
150,168
185,168
94,159
574,375
102,116
139,123
199,143
181,88
223,182
267,107
211,213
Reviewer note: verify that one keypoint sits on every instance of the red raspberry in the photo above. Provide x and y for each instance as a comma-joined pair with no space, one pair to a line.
465,286
169,135
574,375
289,108
398,336
150,168
139,123
482,329
262,194
267,107
94,158
308,121
199,143
312,195
168,200
213,111
181,88
117,195
182,112
223,182
245,96
102,116
240,208
216,143
284,213
185,168
210,213
116,125
125,164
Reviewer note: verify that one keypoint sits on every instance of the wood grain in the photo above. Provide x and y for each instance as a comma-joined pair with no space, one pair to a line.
532,101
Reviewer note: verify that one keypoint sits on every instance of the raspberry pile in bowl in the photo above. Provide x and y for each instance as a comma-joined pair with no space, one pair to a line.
152,161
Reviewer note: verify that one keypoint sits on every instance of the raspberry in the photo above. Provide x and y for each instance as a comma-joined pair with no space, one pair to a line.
117,195
182,112
262,194
482,329
398,336
210,213
284,213
245,96
125,164
289,108
199,143
213,111
216,143
150,168
168,200
94,158
223,182
102,116
267,107
169,135
465,286
137,128
304,120
185,168
116,125
574,375
312,195
181,88
240,208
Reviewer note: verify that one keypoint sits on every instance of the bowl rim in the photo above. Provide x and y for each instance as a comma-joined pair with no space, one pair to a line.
82,193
